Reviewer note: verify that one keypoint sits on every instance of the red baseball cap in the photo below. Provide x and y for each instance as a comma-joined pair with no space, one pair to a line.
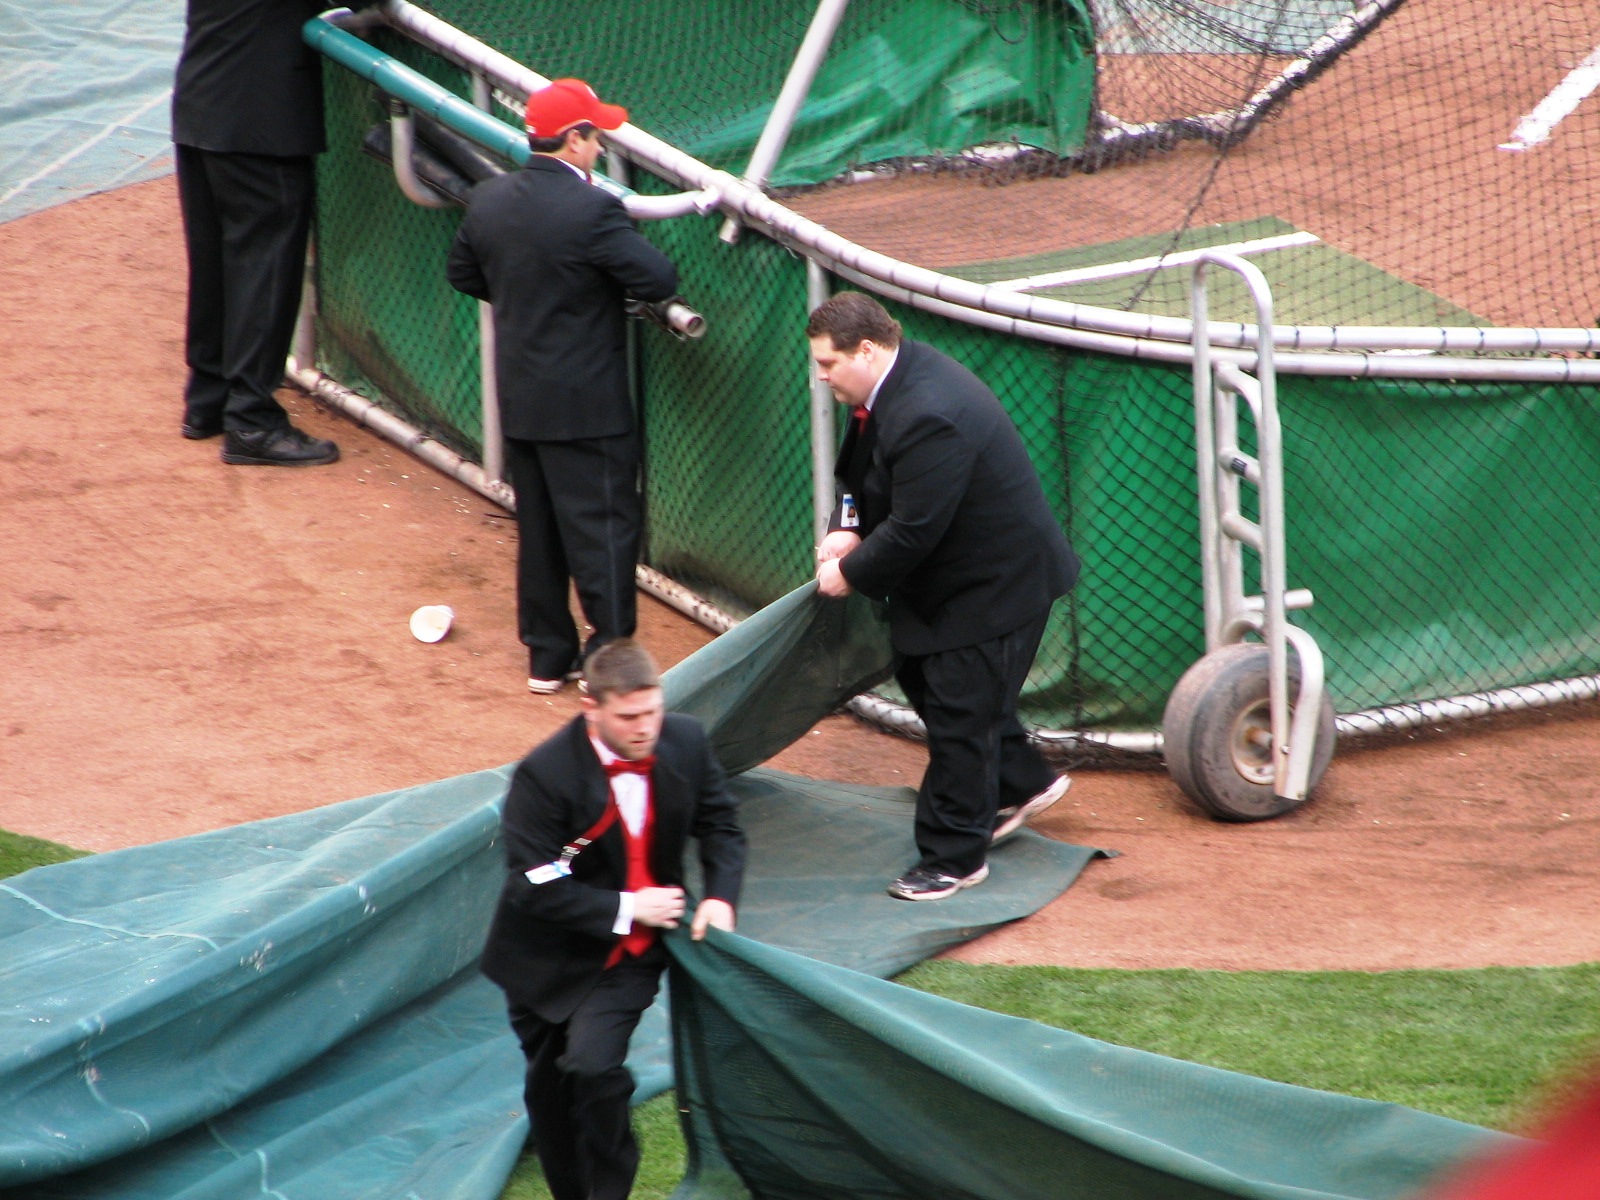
567,102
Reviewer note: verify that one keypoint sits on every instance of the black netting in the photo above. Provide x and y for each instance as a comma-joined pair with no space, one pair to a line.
1443,527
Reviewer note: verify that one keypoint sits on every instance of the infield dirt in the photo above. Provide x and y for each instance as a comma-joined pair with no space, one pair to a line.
190,645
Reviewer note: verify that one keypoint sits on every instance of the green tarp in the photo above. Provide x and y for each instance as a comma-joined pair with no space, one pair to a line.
291,1007
901,78
800,1081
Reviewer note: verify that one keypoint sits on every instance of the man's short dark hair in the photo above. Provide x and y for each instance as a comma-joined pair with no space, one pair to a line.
617,668
549,145
850,318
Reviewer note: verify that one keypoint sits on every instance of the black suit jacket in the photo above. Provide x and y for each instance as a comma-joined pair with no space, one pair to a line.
557,256
957,534
549,941
247,83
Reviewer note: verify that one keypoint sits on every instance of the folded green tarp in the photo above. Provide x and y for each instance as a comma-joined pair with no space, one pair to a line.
801,1080
291,1007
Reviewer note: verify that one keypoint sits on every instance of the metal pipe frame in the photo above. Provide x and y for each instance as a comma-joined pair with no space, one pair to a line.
822,413
1108,330
494,446
712,188
402,141
796,86
328,36
1224,530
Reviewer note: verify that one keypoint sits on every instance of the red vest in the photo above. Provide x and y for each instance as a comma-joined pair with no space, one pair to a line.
637,940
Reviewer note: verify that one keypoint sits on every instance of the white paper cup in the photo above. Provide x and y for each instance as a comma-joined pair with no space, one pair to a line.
431,622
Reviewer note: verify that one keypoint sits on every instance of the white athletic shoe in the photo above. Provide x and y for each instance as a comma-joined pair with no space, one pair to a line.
1009,820
545,687
920,883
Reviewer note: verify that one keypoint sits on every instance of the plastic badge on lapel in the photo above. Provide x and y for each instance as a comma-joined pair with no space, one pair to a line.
849,517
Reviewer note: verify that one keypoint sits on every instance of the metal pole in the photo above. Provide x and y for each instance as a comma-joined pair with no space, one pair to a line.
494,450
822,408
1205,444
819,36
303,349
402,143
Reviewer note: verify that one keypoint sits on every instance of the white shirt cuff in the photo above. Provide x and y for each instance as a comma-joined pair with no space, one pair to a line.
624,922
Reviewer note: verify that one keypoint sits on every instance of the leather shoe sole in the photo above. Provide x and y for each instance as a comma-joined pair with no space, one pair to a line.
287,447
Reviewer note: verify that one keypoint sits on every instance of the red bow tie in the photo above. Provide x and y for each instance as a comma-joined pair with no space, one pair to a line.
630,766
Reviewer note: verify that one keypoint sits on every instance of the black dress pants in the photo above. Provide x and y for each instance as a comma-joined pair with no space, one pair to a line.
246,218
979,756
578,1091
578,519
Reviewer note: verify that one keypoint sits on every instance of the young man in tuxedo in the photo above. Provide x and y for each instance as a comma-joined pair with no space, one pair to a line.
558,258
595,827
941,514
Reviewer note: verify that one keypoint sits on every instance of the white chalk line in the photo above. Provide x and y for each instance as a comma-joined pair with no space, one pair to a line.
1538,125
1134,266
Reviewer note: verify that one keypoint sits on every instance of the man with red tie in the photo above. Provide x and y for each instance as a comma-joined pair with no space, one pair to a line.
595,827
942,516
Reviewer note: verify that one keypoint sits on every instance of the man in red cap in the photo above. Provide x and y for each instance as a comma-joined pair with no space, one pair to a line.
557,258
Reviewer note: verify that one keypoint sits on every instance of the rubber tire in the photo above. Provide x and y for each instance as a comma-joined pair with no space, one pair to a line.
1199,726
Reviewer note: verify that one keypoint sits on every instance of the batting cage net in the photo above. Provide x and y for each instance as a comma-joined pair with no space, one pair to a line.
1415,170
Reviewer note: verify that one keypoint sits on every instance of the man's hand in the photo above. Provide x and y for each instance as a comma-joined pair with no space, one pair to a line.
837,544
709,914
831,580
659,907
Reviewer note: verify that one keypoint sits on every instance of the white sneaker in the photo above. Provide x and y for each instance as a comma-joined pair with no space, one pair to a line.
545,687
1009,820
919,883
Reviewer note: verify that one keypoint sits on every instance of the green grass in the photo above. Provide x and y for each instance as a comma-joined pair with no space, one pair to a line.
19,853
1483,1046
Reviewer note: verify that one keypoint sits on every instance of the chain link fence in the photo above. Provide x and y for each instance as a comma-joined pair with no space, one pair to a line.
1445,527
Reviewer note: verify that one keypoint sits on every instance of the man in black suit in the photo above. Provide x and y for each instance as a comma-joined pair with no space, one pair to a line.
941,514
557,257
247,126
594,827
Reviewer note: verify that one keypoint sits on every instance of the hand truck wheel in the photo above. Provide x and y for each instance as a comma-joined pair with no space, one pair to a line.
1218,735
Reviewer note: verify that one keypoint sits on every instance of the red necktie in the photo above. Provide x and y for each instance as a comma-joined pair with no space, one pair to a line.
637,940
860,415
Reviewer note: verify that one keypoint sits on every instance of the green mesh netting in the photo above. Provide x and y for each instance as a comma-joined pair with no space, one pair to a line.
1444,528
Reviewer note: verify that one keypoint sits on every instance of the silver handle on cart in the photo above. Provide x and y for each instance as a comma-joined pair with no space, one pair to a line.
1223,466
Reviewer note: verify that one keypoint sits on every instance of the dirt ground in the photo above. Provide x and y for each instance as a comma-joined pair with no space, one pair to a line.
189,645
1413,183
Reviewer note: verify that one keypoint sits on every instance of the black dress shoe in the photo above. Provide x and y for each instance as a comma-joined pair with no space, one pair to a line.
286,447
197,432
